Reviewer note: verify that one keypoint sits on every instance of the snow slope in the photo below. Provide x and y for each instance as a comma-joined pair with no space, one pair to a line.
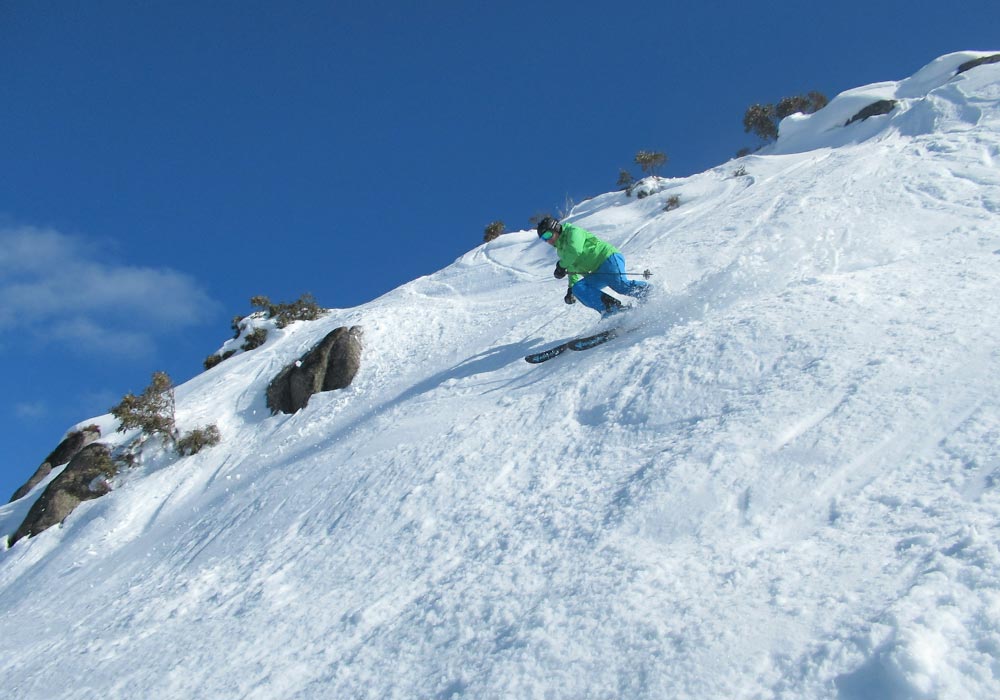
782,484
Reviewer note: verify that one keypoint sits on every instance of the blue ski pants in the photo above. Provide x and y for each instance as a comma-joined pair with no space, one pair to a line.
611,274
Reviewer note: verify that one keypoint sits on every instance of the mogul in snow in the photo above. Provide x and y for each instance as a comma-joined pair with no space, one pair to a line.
591,264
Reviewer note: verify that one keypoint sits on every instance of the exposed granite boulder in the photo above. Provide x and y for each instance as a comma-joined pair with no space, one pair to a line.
331,364
67,449
873,110
84,478
982,61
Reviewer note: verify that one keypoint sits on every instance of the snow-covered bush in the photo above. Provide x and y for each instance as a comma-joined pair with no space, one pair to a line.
304,308
254,339
152,411
493,231
195,441
763,119
625,181
215,358
254,334
650,161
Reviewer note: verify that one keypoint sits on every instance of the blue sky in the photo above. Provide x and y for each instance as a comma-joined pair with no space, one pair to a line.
163,161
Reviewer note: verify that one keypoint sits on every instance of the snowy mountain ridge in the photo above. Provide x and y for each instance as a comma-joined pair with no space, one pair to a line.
782,484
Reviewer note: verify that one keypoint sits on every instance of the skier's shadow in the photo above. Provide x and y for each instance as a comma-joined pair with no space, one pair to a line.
484,363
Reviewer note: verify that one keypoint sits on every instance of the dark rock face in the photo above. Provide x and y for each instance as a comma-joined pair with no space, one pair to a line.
331,364
968,65
66,450
83,479
873,110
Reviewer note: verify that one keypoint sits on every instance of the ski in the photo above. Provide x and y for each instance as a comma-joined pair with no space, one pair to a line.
537,358
592,341
584,343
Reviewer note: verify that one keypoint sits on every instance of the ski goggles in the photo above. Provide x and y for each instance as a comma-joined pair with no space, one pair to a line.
546,236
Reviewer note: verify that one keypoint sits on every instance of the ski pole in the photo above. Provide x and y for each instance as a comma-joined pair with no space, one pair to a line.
645,274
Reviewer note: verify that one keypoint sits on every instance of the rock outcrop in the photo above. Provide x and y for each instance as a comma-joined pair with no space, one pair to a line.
873,110
84,478
969,65
331,364
67,449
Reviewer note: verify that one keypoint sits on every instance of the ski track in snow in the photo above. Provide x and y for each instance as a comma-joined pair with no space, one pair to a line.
783,484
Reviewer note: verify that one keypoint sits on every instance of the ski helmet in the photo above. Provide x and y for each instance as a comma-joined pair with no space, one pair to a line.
547,224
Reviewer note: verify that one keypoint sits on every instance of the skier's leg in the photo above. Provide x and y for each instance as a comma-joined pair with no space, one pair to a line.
613,271
588,291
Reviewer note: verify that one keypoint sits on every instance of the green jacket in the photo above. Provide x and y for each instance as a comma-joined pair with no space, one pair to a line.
581,252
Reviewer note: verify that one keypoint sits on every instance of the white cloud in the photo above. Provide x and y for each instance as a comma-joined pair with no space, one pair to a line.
30,410
104,339
60,288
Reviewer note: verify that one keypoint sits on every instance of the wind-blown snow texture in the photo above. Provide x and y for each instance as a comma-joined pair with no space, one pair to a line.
784,484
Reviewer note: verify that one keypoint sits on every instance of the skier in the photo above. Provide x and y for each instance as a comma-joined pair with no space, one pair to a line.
591,264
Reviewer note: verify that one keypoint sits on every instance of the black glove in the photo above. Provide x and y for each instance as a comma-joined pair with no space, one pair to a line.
559,272
569,298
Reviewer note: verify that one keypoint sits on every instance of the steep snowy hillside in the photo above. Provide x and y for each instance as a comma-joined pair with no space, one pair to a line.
782,483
